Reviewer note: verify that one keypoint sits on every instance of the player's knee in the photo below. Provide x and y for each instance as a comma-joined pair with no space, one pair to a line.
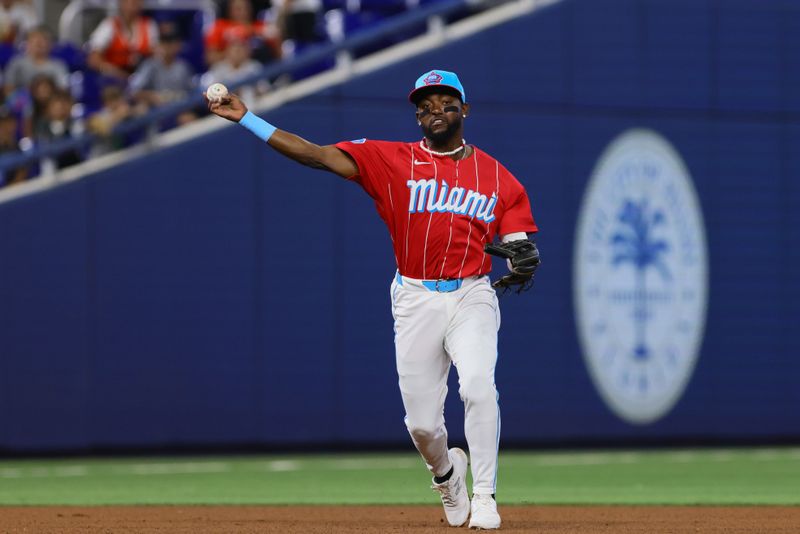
477,390
423,432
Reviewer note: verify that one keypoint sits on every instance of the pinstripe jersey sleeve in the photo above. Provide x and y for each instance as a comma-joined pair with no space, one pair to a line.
372,159
517,214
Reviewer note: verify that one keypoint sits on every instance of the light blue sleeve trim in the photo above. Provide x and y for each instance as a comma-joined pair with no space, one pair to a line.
261,128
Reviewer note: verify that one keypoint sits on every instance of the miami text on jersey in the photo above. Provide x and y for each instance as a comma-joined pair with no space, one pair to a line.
457,200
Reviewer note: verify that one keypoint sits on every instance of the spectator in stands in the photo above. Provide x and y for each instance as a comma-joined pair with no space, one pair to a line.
165,77
59,125
237,65
36,61
115,110
31,104
239,23
9,144
297,20
17,17
122,41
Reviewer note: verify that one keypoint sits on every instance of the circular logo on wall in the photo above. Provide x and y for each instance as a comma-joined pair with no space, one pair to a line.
640,276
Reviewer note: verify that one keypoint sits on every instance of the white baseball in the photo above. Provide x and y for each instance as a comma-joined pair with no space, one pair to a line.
216,92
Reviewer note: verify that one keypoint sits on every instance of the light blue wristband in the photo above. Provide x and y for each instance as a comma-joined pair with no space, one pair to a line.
261,128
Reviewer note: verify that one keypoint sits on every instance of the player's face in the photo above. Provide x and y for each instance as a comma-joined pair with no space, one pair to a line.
440,116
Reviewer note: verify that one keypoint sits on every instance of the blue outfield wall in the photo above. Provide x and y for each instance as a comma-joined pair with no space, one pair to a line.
218,294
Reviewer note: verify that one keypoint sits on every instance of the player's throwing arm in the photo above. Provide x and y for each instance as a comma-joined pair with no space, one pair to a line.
328,158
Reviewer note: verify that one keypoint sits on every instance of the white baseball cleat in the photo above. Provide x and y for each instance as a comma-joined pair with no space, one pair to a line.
484,513
454,491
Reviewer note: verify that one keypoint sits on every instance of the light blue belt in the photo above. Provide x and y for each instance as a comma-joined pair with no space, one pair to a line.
440,286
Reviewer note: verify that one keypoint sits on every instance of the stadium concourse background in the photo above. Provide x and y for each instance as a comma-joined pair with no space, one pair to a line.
215,294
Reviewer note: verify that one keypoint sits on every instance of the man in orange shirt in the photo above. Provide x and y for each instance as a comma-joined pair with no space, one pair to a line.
239,24
120,42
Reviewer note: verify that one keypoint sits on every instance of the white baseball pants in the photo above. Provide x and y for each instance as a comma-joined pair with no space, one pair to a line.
433,329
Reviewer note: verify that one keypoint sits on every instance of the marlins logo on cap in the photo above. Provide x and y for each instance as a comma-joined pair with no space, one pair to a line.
433,79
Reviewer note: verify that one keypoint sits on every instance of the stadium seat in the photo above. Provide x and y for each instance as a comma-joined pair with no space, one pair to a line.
7,51
71,54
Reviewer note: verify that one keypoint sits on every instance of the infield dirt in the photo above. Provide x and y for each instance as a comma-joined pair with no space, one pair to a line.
383,519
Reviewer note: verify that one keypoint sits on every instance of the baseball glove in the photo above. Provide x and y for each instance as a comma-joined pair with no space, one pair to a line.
523,260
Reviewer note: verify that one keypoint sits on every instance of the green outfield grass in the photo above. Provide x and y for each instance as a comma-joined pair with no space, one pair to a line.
736,476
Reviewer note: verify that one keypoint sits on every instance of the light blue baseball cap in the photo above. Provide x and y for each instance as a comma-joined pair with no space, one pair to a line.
437,78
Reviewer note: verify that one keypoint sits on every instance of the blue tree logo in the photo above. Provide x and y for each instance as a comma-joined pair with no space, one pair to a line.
635,243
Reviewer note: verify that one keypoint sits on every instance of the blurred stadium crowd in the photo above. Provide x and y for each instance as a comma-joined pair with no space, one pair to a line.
137,55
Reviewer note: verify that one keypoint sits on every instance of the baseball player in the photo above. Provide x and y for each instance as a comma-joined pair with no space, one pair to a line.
444,201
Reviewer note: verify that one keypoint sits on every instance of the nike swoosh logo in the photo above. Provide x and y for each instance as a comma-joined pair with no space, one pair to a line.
416,162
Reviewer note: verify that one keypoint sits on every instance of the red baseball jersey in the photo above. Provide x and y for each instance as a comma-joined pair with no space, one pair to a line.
440,212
